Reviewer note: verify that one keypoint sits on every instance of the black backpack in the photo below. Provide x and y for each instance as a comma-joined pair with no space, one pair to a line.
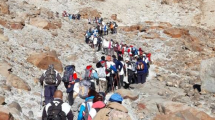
50,76
55,112
69,70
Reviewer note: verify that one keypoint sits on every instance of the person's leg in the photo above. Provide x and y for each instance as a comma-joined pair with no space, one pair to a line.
52,90
47,94
108,84
144,77
130,79
121,81
70,98
139,78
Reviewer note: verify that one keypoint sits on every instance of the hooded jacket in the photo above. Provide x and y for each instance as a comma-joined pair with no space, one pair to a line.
145,67
102,114
82,108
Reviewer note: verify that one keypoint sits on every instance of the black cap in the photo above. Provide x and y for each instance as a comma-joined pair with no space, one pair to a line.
113,56
103,58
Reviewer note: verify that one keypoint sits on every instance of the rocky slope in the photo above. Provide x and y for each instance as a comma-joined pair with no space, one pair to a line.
174,31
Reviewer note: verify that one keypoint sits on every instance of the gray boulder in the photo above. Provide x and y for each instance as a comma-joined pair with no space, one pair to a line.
207,75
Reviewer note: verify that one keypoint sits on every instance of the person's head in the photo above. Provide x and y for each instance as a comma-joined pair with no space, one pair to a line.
127,60
92,93
108,58
73,67
58,94
103,58
120,58
114,56
97,98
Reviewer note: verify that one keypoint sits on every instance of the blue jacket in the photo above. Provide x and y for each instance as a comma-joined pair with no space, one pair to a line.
82,108
118,64
145,67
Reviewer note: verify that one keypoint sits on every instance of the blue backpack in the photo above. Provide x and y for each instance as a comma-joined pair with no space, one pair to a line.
68,73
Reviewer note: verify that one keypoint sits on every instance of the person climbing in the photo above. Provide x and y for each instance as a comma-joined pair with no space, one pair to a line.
99,43
51,80
110,48
102,83
86,106
109,74
130,70
57,109
121,73
113,110
115,27
105,29
95,41
142,71
105,45
119,67
91,75
69,79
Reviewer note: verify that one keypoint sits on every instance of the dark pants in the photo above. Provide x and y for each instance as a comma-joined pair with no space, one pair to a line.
49,93
109,84
130,76
99,46
121,77
70,98
141,77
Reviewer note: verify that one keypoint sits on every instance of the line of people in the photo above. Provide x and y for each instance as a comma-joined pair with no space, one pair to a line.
71,16
122,64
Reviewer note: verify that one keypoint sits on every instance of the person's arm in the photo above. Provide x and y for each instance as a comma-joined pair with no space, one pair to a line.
120,65
42,79
58,79
44,115
80,114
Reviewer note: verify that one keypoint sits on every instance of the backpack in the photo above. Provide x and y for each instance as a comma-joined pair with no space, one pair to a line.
101,72
88,73
88,105
117,115
50,76
111,26
68,74
140,66
84,87
55,112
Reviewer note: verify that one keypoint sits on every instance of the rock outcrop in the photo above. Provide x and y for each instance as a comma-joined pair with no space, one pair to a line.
4,8
89,12
17,82
43,60
207,75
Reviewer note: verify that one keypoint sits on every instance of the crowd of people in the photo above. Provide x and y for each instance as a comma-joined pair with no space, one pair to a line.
71,16
120,64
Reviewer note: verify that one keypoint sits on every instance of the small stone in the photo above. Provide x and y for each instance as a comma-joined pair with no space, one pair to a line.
31,114
16,106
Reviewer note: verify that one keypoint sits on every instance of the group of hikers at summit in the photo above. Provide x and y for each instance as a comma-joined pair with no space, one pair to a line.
120,65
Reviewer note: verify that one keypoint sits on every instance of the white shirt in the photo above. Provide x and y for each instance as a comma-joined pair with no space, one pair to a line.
95,40
122,70
108,66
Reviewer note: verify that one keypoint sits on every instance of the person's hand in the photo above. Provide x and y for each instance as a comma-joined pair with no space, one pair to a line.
69,86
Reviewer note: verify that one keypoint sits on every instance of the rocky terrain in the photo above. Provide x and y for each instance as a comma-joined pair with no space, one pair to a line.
178,33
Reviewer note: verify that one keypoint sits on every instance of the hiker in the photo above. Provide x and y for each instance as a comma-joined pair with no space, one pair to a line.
99,43
70,17
98,104
114,110
142,71
86,106
78,16
69,79
51,80
95,41
62,109
130,70
91,75
119,67
115,27
87,37
105,29
89,21
102,76
109,74
122,73
105,46
65,14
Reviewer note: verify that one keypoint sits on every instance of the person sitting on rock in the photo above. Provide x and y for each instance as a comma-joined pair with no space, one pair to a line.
51,79
57,106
